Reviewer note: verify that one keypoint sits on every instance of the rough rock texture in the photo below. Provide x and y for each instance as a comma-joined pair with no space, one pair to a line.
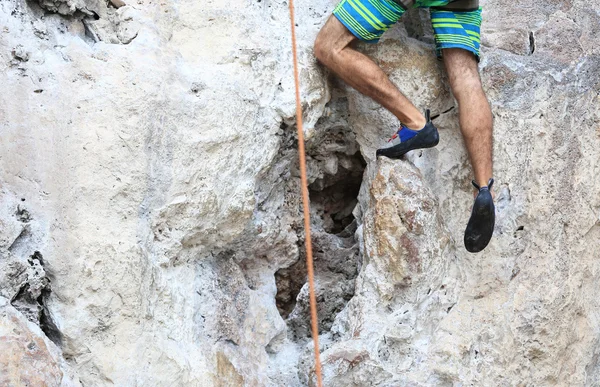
28,357
150,218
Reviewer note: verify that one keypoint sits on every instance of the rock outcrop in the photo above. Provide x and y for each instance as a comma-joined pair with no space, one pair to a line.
150,216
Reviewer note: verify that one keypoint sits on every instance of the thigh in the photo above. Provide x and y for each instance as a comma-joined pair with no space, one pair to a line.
462,68
367,20
334,35
453,29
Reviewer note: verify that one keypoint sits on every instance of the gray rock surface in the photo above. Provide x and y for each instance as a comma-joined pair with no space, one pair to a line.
150,217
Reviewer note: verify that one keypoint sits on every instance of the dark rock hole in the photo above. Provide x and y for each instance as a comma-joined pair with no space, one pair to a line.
335,196
46,323
531,43
31,300
333,199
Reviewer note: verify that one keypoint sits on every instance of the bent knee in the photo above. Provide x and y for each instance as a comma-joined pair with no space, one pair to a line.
323,49
331,40
320,47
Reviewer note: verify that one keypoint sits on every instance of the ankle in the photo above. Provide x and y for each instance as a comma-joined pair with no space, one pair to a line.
413,119
417,124
483,182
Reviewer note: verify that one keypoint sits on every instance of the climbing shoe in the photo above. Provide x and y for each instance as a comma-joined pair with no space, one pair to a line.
407,139
483,216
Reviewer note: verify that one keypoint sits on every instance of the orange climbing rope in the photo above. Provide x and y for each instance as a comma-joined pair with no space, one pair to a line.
304,183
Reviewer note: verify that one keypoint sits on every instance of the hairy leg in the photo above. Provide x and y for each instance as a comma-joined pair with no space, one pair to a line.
475,115
332,48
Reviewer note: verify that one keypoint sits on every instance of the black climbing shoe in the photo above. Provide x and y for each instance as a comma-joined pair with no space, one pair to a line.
481,224
428,137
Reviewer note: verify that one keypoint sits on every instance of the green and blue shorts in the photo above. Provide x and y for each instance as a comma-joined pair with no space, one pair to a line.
369,19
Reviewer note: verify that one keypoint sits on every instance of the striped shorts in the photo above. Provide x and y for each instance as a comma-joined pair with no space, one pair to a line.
369,19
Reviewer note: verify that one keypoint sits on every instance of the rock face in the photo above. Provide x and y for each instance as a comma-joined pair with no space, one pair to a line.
150,216
28,357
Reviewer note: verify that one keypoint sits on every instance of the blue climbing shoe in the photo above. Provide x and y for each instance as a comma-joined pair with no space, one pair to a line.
481,224
407,139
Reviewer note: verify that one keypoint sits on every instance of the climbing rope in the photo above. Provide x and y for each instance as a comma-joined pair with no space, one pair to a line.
304,183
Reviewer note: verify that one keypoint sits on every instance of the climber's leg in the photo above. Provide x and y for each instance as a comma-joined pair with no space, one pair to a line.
457,41
475,116
332,48
475,119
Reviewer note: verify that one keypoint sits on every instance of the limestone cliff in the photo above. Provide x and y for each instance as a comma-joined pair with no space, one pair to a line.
150,217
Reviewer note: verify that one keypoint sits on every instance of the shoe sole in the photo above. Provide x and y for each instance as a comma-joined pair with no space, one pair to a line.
481,224
426,138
